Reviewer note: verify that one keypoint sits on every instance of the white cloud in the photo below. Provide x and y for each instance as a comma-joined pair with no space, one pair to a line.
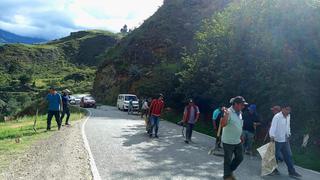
56,18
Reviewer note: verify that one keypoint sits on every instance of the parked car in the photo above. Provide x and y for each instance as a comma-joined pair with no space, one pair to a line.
123,102
78,97
72,100
88,101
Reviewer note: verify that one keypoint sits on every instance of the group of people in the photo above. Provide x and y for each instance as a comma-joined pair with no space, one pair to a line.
58,104
238,131
238,125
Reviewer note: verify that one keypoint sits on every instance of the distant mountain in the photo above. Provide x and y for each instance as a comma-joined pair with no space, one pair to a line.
8,37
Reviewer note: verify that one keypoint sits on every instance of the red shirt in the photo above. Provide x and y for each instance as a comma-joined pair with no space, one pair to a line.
156,107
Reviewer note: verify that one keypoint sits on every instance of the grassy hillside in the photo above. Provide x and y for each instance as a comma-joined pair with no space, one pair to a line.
27,70
145,61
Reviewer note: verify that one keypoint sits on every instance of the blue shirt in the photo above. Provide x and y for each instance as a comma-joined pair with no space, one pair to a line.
216,113
54,101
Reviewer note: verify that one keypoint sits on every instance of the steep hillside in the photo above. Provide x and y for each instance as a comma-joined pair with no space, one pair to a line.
7,37
145,61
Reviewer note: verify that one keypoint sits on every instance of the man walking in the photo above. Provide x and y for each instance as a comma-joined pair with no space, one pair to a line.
54,107
216,117
144,108
231,136
250,123
155,111
191,115
279,133
65,104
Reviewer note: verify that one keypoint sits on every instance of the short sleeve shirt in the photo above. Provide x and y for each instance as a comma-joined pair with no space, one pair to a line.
232,131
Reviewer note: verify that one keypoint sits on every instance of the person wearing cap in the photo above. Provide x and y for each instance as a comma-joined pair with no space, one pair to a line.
155,111
54,107
65,103
191,115
250,123
231,136
280,133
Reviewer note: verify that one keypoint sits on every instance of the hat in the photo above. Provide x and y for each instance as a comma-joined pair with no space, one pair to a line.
278,108
52,87
66,91
252,107
238,99
190,100
161,95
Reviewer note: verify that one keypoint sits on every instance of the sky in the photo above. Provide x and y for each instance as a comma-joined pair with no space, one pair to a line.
51,19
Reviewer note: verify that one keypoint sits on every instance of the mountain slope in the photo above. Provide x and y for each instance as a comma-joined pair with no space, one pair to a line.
151,53
70,62
7,37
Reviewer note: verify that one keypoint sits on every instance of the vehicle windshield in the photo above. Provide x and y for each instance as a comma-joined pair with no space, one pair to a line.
133,98
88,98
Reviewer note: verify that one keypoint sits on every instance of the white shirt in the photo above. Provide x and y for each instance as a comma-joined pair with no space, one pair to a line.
145,105
280,127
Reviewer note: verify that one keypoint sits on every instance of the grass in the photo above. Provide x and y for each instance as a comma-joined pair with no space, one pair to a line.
23,128
309,159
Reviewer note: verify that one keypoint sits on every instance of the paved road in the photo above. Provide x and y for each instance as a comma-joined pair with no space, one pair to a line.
122,150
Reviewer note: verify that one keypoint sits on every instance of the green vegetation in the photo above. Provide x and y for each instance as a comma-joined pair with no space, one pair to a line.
26,71
151,54
22,128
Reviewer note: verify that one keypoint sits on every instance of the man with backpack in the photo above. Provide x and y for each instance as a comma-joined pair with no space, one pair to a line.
155,112
191,115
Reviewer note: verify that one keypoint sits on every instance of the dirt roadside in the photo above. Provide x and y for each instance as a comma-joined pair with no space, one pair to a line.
61,156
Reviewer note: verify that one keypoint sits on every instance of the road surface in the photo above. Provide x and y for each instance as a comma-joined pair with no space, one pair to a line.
122,150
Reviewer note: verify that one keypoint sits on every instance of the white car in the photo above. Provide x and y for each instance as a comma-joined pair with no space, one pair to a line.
123,102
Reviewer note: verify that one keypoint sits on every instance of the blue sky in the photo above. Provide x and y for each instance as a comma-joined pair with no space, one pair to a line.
52,19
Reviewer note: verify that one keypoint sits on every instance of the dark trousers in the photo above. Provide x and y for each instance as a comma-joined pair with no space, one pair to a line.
64,112
189,131
56,114
230,163
283,148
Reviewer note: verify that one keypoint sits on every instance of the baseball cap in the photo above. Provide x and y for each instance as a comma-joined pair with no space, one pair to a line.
238,99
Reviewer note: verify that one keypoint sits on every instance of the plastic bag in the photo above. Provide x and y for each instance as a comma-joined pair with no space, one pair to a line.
269,162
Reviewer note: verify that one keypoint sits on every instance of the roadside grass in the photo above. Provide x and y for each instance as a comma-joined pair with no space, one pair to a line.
22,128
309,159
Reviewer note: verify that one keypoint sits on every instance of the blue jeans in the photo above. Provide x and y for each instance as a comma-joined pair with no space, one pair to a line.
248,140
154,124
284,149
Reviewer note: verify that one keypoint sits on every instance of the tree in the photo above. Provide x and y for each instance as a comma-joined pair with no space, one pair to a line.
124,29
77,77
24,79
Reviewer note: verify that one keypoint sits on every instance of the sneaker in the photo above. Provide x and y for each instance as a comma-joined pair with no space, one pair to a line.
150,135
295,175
229,178
186,141
67,124
156,136
275,172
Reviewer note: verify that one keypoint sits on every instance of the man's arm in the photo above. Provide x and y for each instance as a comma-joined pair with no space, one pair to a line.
198,114
225,118
273,128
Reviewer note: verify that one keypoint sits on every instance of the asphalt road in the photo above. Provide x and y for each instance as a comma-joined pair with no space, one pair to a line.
122,150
